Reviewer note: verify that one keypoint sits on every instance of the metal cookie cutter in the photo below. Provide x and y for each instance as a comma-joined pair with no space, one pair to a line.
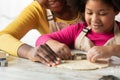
3,59
79,56
109,77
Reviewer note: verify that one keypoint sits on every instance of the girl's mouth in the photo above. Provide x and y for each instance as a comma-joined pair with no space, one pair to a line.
96,26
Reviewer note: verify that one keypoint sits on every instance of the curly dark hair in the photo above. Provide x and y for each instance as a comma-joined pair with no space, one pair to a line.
114,3
77,5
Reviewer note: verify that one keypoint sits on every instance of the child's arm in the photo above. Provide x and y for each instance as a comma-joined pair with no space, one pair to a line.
116,50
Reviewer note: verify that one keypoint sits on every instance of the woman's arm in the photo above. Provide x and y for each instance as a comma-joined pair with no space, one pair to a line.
27,20
42,54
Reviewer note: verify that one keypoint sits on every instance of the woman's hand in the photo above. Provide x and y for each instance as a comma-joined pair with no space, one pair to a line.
49,54
44,54
98,52
41,54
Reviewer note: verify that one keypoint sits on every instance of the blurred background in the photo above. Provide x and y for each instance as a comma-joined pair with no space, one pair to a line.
9,9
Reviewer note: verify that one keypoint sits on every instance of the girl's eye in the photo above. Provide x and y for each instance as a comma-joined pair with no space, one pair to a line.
90,13
103,14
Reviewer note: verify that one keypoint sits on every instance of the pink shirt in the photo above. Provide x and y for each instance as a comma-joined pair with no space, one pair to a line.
68,35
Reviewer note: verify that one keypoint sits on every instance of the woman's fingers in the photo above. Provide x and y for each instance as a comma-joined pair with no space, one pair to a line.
40,59
52,52
48,55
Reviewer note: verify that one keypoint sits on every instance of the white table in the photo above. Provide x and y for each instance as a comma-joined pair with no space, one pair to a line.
23,69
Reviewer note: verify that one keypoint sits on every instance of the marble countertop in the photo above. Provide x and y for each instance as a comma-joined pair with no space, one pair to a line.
23,69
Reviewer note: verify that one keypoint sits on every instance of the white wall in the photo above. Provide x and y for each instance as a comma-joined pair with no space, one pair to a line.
118,17
9,9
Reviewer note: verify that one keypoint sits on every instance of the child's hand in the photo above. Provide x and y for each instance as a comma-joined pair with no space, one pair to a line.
60,49
98,52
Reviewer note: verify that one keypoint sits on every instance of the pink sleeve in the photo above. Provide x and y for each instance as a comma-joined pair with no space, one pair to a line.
66,35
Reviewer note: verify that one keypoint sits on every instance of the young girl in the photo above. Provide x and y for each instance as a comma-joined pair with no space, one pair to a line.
99,36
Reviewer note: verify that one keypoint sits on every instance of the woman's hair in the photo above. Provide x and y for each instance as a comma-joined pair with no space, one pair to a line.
76,6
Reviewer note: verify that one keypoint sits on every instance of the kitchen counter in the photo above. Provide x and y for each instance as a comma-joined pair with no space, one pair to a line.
23,69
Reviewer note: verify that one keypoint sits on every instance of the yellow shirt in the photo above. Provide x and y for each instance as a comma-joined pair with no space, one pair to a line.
32,17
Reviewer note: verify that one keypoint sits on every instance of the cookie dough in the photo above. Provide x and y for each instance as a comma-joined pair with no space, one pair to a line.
83,65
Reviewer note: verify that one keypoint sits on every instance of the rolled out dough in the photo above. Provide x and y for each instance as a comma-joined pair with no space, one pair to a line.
83,64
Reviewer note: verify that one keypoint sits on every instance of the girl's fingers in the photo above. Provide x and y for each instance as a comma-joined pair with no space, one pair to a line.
68,53
89,56
95,57
61,54
93,54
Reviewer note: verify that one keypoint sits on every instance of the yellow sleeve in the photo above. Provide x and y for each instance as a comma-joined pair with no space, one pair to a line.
9,44
32,17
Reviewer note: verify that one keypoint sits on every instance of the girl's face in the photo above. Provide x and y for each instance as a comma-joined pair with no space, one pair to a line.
53,5
99,16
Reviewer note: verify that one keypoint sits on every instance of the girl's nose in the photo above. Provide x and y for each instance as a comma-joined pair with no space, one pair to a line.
95,18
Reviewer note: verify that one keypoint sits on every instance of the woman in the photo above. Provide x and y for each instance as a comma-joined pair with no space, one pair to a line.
43,15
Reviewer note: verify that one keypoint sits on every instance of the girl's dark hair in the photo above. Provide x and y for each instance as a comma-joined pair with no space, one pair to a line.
114,3
79,5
